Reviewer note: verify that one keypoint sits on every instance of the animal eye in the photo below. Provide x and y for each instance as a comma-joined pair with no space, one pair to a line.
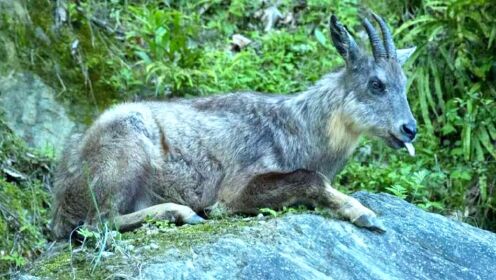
376,86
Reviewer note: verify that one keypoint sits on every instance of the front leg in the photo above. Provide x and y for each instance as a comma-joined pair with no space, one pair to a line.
277,190
351,209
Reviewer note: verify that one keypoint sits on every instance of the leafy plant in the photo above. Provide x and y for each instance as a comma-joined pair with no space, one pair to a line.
101,239
24,175
166,47
453,80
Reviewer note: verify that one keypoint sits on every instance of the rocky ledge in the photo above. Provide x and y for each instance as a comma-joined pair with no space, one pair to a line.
417,245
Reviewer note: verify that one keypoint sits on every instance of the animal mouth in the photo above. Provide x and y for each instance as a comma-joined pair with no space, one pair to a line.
396,143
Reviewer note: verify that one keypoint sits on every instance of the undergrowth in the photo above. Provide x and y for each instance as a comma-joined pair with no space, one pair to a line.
24,201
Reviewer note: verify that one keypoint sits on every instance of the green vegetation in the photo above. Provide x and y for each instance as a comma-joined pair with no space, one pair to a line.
453,93
109,51
24,201
104,252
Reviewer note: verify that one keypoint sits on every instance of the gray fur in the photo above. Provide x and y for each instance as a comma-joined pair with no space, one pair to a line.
205,151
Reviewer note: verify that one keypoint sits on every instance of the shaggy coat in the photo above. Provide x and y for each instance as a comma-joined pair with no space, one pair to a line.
239,151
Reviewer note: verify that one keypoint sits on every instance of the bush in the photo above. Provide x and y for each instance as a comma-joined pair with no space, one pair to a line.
453,80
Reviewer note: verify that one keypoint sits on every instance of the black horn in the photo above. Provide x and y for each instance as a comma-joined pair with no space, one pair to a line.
377,45
388,38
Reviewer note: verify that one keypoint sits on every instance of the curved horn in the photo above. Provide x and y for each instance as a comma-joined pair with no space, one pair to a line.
377,46
388,38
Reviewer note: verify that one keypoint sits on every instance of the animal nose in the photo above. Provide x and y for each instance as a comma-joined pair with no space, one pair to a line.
409,130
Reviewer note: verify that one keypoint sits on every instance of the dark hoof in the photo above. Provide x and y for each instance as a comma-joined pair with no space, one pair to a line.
194,220
371,223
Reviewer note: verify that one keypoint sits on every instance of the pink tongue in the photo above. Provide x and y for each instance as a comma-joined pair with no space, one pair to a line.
410,148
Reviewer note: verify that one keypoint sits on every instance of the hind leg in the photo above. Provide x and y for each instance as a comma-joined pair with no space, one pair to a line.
276,190
175,213
108,174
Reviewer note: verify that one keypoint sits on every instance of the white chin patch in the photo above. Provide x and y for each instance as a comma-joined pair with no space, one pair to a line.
410,148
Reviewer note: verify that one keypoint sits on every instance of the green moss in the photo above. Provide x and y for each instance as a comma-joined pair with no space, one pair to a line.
59,264
24,200
81,75
187,236
130,249
79,264
65,265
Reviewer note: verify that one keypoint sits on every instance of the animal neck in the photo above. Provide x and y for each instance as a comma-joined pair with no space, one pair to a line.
322,108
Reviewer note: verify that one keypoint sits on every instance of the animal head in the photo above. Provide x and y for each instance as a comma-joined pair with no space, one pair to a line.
375,86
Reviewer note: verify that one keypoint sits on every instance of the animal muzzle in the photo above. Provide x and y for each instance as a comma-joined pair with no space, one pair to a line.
403,136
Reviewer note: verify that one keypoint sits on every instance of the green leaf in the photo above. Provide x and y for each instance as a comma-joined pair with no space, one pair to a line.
418,21
492,130
491,37
462,174
483,187
321,38
144,56
398,191
437,86
486,141
269,211
422,86
478,150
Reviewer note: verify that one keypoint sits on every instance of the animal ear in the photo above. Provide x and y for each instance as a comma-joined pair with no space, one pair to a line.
343,42
404,54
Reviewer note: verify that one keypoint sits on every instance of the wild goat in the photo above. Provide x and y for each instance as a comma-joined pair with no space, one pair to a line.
240,152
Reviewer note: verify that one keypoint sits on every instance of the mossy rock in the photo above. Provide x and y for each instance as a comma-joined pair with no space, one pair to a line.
124,252
302,245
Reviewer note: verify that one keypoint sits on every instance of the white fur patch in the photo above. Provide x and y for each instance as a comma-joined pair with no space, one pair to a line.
341,133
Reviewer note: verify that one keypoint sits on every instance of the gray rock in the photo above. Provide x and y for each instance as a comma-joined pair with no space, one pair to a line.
417,245
32,112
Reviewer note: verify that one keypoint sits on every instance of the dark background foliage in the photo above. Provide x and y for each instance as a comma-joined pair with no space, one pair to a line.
97,53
